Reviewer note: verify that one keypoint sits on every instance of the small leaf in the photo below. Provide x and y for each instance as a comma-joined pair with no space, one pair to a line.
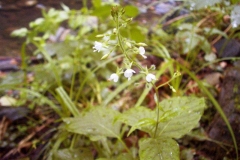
65,8
22,32
102,11
205,45
158,149
96,123
131,11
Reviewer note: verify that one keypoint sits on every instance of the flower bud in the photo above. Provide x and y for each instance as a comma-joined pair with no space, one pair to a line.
128,44
114,31
142,44
104,56
99,35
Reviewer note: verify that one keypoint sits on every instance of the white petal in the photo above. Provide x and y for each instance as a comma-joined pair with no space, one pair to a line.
141,50
128,73
114,77
150,77
97,46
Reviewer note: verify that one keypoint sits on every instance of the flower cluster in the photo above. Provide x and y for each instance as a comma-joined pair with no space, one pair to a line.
128,73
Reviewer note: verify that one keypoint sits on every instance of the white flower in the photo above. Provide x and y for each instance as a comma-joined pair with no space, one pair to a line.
142,52
97,46
114,77
128,73
150,77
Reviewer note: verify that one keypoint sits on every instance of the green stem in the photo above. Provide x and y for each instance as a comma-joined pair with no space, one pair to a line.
158,109
120,43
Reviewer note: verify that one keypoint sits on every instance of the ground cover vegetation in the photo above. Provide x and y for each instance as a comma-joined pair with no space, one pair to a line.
112,87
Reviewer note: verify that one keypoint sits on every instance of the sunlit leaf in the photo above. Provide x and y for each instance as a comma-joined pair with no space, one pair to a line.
97,123
235,16
158,149
131,11
102,11
22,32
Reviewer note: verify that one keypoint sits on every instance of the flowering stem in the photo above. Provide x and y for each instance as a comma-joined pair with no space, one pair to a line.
122,48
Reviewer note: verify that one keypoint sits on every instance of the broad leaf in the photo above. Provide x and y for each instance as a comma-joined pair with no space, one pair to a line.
96,123
73,154
139,118
158,149
180,115
189,40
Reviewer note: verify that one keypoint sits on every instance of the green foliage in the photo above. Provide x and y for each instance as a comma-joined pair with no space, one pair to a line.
158,149
131,11
96,123
178,116
73,154
76,87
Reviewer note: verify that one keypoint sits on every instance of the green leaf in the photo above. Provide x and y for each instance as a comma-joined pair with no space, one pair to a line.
137,34
97,3
22,32
180,115
189,40
138,117
73,154
212,31
205,45
96,123
141,123
131,11
158,149
102,11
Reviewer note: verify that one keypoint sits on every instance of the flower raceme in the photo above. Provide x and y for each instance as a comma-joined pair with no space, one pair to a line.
129,73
